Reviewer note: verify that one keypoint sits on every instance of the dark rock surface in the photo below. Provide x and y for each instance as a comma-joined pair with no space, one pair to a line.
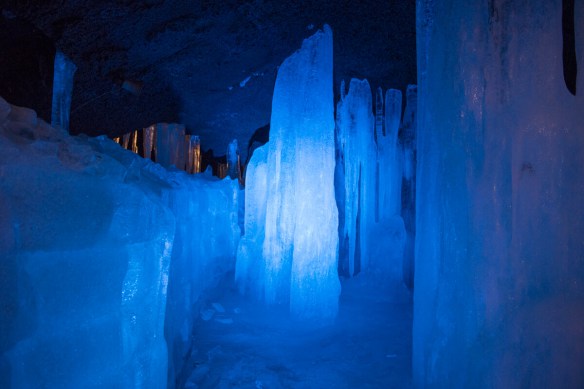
209,64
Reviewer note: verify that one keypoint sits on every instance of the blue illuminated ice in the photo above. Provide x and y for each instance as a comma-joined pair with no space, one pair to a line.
233,160
289,251
499,291
389,157
170,145
62,91
93,239
355,132
250,268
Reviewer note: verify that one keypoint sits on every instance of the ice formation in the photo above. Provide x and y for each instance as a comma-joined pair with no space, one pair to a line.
408,182
355,129
62,91
233,160
499,297
250,268
93,239
297,237
193,154
389,157
149,142
170,145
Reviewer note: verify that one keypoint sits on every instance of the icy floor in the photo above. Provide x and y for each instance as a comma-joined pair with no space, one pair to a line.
248,346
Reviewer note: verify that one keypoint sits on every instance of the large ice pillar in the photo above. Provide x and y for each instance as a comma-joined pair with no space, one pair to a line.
355,129
250,268
300,247
499,297
233,168
149,141
387,248
170,145
408,183
62,91
389,157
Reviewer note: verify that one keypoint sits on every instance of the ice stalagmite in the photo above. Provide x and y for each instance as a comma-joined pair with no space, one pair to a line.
62,91
499,297
149,136
249,271
408,184
300,247
193,154
170,145
355,127
389,157
233,160
387,250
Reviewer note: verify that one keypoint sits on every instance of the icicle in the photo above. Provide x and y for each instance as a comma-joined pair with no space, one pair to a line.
62,90
126,140
233,169
148,141
134,142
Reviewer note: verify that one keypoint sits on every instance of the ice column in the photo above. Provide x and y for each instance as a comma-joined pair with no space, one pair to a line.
233,160
300,247
250,268
389,157
149,136
379,129
62,90
170,149
499,297
408,184
196,147
355,127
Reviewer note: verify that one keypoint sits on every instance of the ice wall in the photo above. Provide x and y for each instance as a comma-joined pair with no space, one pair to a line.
84,262
300,246
62,91
355,131
205,244
93,240
499,298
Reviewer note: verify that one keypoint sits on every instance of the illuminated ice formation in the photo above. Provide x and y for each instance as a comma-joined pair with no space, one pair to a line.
499,297
233,160
355,129
389,157
300,246
250,268
62,91
93,239
170,145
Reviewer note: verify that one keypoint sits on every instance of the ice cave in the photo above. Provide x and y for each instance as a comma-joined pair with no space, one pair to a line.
306,194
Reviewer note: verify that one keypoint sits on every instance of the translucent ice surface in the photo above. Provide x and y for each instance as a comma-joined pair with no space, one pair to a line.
300,245
93,239
499,297
355,133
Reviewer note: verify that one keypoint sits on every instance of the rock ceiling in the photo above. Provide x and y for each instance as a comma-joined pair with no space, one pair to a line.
208,64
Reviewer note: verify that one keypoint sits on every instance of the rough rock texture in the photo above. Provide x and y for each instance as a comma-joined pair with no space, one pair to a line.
209,64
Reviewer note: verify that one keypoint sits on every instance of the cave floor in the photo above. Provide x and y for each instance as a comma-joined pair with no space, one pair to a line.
249,346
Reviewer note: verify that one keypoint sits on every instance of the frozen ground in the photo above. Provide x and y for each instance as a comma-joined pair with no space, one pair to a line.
249,346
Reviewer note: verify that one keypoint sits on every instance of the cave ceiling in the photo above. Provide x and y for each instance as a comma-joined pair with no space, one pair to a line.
209,64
